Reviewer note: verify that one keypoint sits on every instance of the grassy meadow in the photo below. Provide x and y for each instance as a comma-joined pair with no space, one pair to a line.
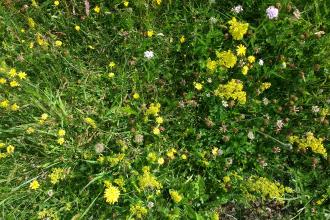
164,109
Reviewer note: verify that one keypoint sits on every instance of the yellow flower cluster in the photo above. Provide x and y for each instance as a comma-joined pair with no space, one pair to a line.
147,180
111,194
43,118
315,144
5,104
267,189
211,65
61,134
171,153
264,86
57,175
237,29
153,109
138,210
90,122
227,58
9,150
232,90
176,197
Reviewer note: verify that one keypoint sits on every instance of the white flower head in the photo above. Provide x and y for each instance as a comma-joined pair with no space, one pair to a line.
148,54
261,62
225,103
265,101
237,9
272,12
315,109
213,20
250,135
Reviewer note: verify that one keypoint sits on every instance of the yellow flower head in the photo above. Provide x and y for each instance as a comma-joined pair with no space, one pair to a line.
61,132
251,59
56,3
198,86
97,9
111,194
44,116
240,50
159,120
112,64
176,197
10,149
34,185
156,131
237,29
245,70
22,75
14,83
14,107
227,59
211,65
160,161
182,39
126,3
58,43
4,103
77,28
90,122
136,96
31,23
2,80
150,33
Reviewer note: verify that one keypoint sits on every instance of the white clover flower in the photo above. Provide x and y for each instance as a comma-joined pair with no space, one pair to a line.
213,20
261,62
237,9
225,103
315,109
272,12
149,54
265,101
250,135
279,124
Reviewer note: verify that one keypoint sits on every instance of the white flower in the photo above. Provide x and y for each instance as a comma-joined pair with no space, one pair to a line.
213,20
296,14
150,205
250,135
261,62
225,103
279,124
148,54
160,34
272,12
315,109
237,9
265,101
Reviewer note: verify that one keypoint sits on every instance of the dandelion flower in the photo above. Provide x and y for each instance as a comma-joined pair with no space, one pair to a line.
14,84
136,96
61,132
272,12
34,185
227,59
159,120
56,3
112,64
245,70
77,28
10,149
240,50
111,194
198,86
150,33
60,141
251,59
22,75
156,131
3,80
14,107
111,75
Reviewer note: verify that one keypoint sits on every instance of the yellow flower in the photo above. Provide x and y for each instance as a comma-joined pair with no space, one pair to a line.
56,3
158,2
111,75
61,132
10,149
237,29
245,70
215,151
126,3
30,130
176,197
153,109
184,157
14,107
12,72
112,64
182,39
58,43
198,86
60,141
44,116
251,59
211,65
14,83
227,59
232,90
156,131
2,80
56,175
136,96
240,50
138,210
34,185
77,28
22,75
226,179
91,122
160,161
150,33
159,120
147,180
31,23
111,194
4,103
97,9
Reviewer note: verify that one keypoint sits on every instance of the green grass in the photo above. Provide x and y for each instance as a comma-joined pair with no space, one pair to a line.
71,83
